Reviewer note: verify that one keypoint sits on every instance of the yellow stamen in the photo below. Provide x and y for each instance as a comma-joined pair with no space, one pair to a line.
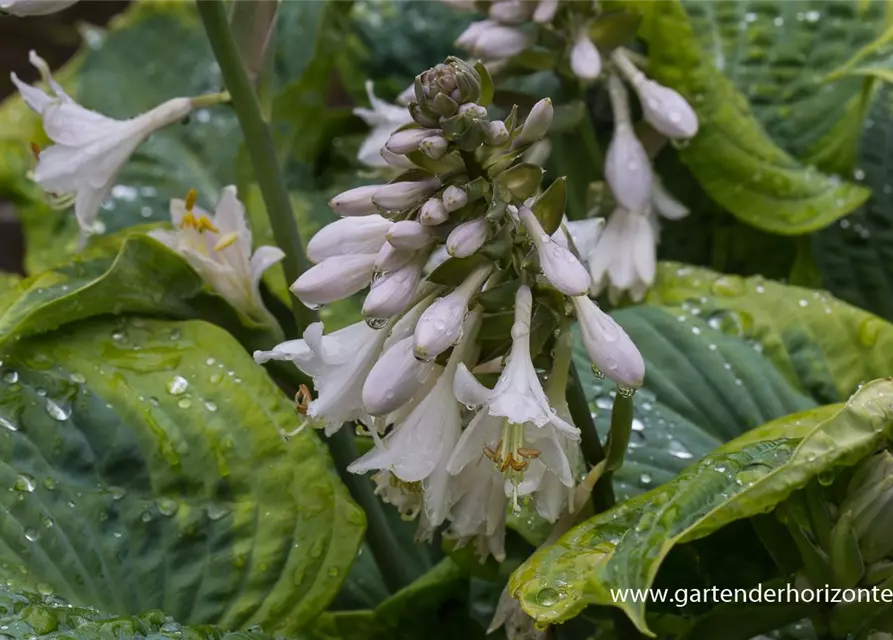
528,453
303,398
189,203
35,150
188,221
226,241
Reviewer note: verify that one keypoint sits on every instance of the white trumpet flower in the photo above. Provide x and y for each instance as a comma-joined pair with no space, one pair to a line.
333,279
627,166
625,258
440,327
90,149
338,363
218,247
468,237
611,350
584,233
34,7
384,118
363,234
560,266
586,63
395,379
479,510
394,291
424,438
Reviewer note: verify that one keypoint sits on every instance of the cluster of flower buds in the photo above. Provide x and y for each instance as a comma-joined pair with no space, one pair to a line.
470,278
625,259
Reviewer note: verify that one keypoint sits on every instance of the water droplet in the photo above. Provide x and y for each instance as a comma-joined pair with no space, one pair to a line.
603,402
8,424
10,377
117,492
118,336
210,406
24,483
637,425
31,535
177,386
678,451
168,507
728,286
175,334
185,403
215,378
40,391
598,372
210,362
803,302
645,478
60,411
333,572
868,332
720,467
826,478
377,323
49,483
216,512
146,517
80,378
751,473
626,392
547,597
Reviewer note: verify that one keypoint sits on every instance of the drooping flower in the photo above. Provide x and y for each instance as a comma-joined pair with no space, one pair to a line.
627,166
34,7
333,279
625,259
338,363
384,118
608,345
561,267
89,148
586,62
395,379
493,41
362,234
479,509
394,291
218,247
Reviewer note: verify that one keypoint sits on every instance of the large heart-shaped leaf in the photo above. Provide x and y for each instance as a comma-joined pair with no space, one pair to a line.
624,547
738,165
824,346
702,389
152,449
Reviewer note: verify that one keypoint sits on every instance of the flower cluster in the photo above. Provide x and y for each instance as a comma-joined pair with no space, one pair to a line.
450,450
624,259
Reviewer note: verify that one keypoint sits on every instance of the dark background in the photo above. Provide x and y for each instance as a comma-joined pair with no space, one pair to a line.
55,37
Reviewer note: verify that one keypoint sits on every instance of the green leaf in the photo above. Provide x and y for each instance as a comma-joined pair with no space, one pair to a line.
8,281
142,277
29,615
702,388
453,271
549,207
486,84
152,449
737,164
854,256
823,346
521,180
624,547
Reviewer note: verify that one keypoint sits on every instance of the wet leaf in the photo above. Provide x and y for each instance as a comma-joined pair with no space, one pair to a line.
624,547
153,449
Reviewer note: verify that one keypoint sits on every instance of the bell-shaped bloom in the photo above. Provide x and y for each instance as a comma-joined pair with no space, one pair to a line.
395,379
667,111
402,195
33,7
218,247
611,350
454,198
627,166
479,510
89,148
537,124
394,291
665,203
364,234
468,237
384,118
409,235
586,62
356,201
425,437
510,11
440,327
408,140
338,363
433,213
545,11
406,497
561,267
333,279
625,258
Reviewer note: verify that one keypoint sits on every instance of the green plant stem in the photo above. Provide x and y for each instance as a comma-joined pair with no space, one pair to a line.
593,451
261,151
385,549
259,143
621,429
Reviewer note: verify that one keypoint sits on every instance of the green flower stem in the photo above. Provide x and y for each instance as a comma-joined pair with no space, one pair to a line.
261,151
259,142
603,492
387,553
621,428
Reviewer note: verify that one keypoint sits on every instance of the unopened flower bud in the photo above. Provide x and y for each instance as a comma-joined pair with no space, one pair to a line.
454,78
440,326
395,378
454,198
355,202
467,238
409,235
349,236
474,110
560,267
390,258
434,147
667,111
611,350
496,41
545,11
510,11
628,169
495,133
537,124
586,62
433,213
408,140
333,279
393,292
402,195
